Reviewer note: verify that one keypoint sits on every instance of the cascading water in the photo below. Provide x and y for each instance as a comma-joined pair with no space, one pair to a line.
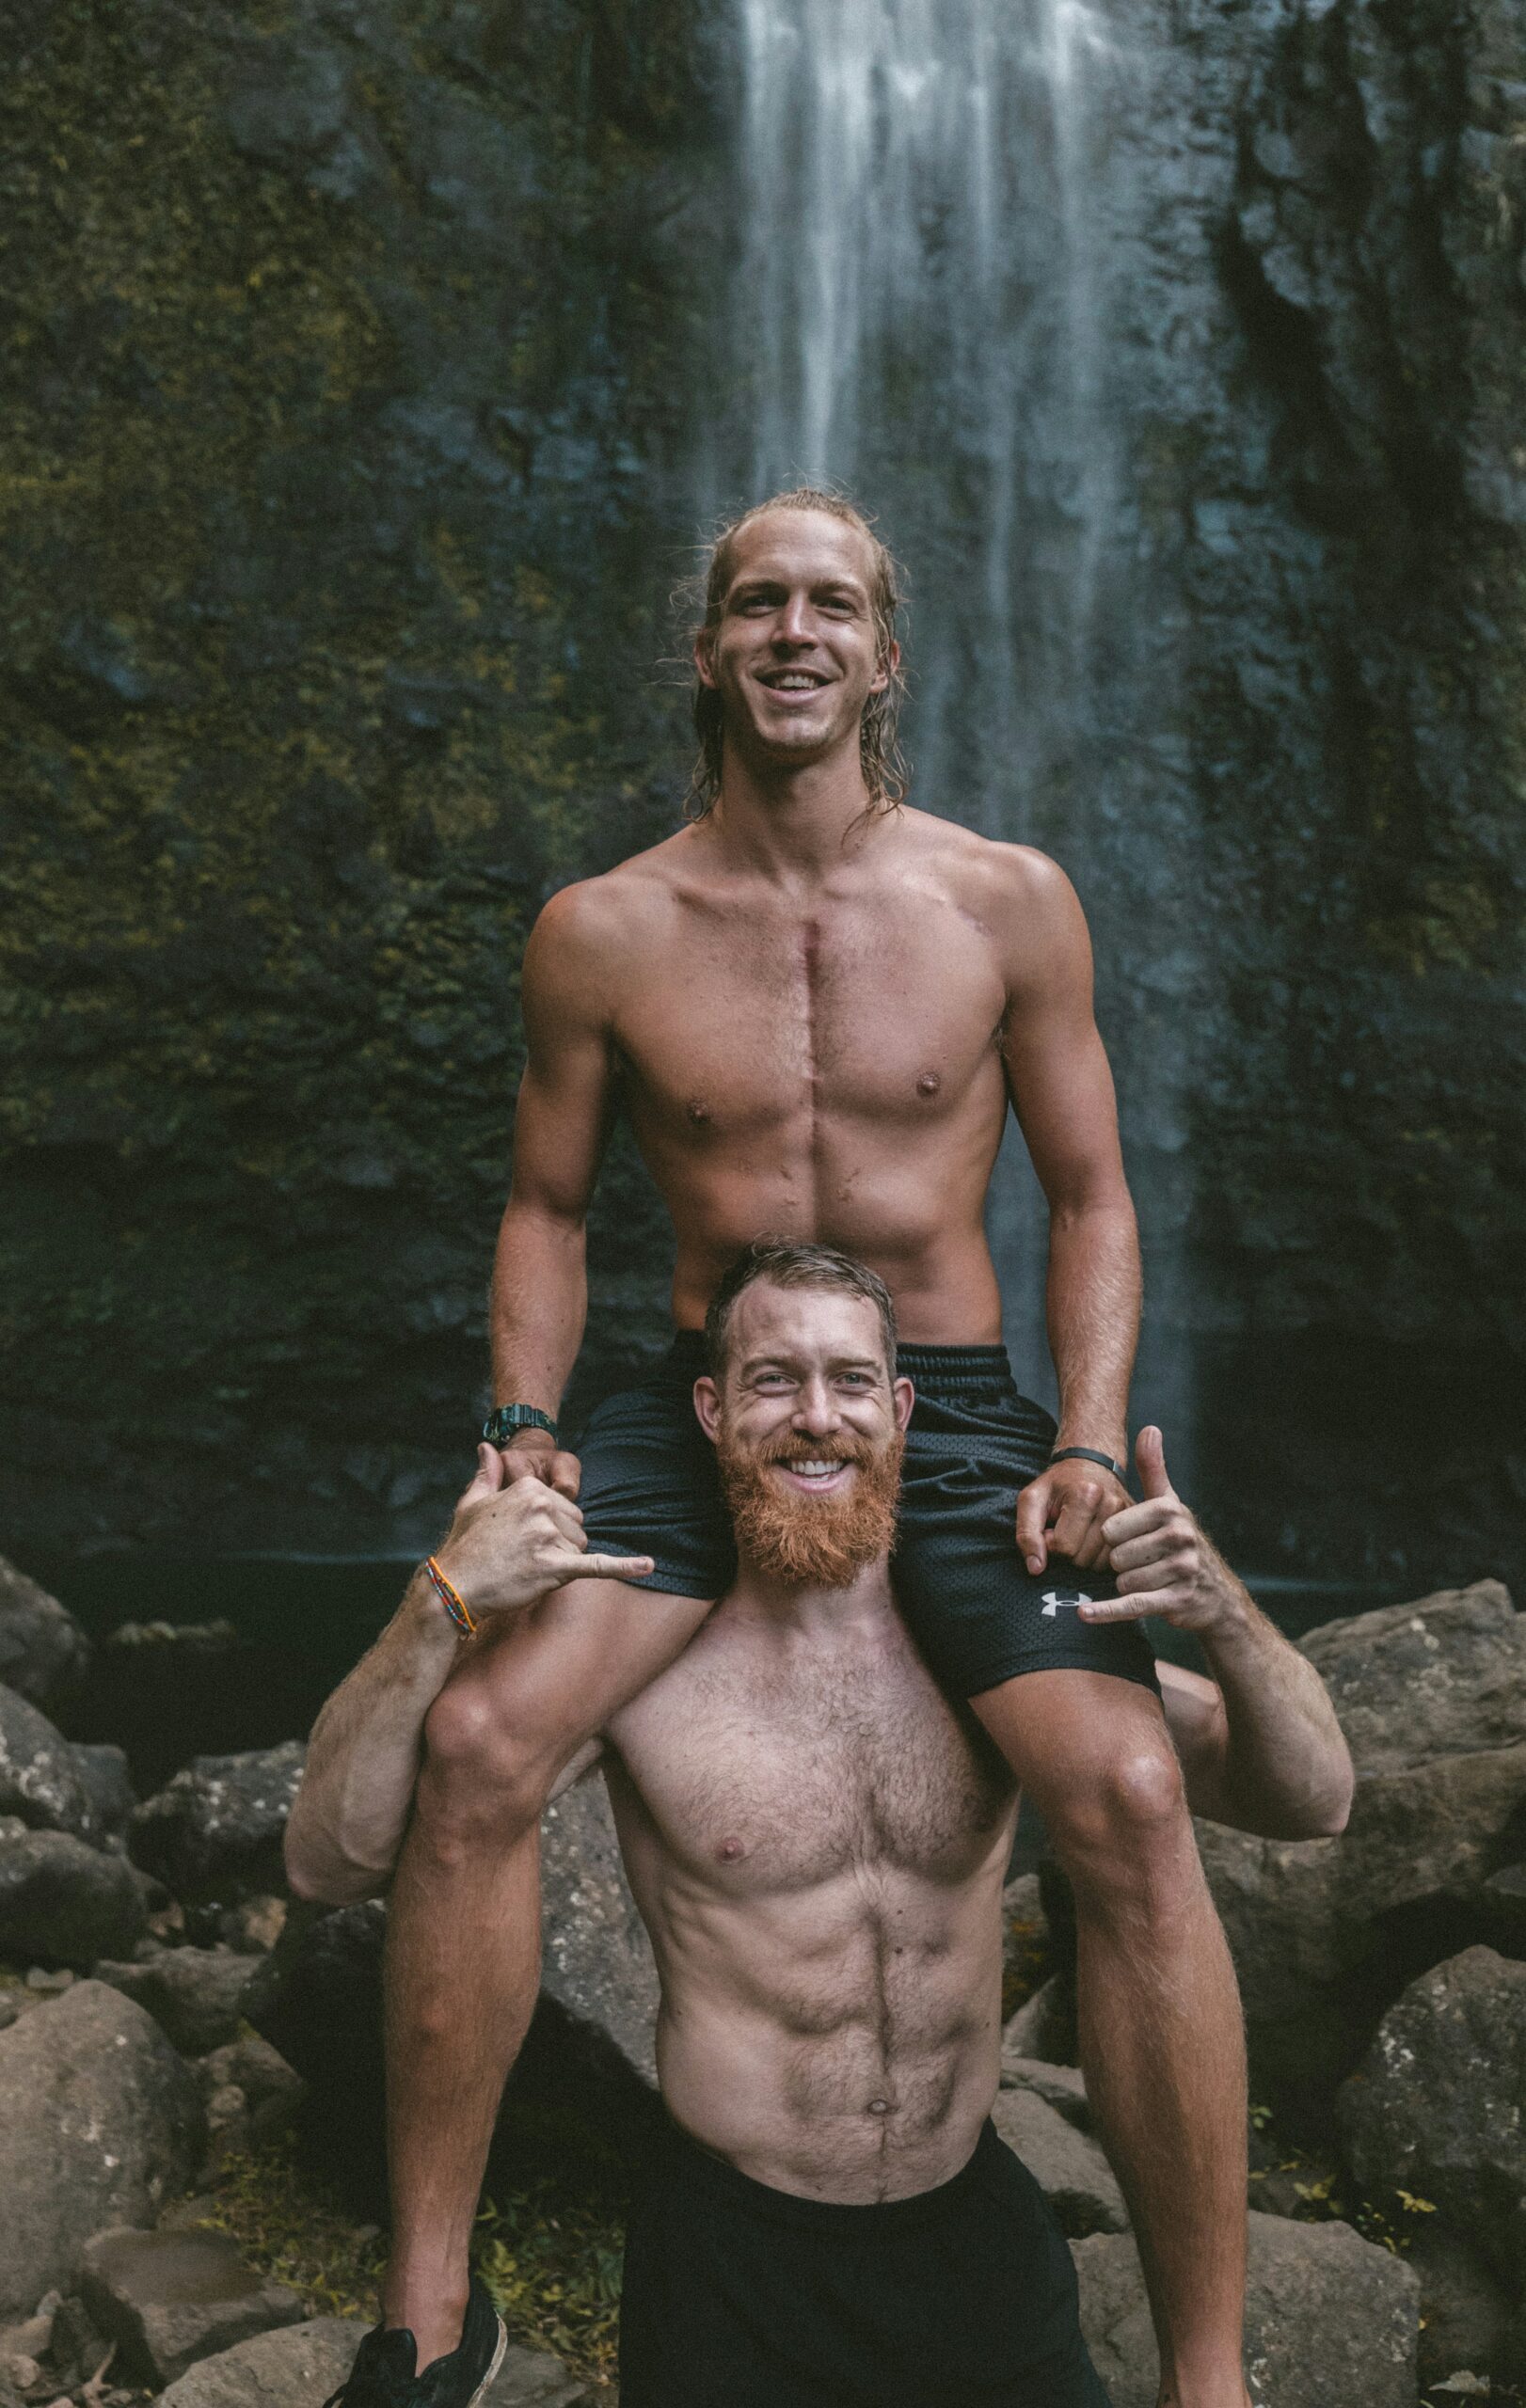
929,200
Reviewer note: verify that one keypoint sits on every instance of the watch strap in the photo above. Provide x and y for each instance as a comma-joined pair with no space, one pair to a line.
1089,1456
506,1420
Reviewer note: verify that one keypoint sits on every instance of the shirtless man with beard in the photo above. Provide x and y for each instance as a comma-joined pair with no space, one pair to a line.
817,1007
818,1841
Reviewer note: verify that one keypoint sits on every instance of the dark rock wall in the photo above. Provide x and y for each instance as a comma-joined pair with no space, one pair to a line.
354,357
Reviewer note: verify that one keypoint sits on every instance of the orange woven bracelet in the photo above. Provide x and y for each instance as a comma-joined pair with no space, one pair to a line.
450,1599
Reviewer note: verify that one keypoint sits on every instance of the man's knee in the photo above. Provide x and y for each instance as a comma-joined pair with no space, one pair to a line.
483,1776
1123,1822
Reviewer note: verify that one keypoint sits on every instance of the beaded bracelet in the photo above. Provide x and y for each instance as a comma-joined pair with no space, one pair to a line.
450,1599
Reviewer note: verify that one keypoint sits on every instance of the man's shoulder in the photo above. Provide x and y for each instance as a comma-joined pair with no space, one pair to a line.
987,869
593,910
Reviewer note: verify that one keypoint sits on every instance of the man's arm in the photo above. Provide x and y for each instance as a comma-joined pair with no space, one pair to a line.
1259,1744
507,1546
1062,1093
540,1274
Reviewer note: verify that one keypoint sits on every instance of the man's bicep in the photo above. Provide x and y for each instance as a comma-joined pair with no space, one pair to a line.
567,1096
1057,1070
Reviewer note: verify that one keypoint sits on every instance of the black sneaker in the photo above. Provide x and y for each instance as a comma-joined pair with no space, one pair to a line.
384,2373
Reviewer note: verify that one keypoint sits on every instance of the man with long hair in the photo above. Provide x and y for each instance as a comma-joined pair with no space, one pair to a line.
817,1007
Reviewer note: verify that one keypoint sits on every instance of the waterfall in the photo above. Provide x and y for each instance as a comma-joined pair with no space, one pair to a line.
933,212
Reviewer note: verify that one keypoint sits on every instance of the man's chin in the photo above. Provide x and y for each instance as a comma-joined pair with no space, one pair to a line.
806,1542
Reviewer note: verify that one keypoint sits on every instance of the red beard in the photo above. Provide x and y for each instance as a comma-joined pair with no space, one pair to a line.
811,1542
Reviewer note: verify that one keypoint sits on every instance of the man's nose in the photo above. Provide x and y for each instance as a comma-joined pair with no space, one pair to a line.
817,1411
796,622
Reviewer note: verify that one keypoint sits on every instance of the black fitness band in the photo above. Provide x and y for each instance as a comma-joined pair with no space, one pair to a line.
1090,1455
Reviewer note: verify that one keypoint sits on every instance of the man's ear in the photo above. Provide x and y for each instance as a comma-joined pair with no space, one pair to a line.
702,657
708,1405
885,668
905,1397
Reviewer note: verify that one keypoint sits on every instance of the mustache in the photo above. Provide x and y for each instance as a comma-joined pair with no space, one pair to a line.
847,1447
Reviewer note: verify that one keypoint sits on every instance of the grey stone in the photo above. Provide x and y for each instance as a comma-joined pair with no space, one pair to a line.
43,1652
62,1903
170,2297
1068,2166
298,2368
1044,2025
251,2065
1329,2319
1465,2310
100,2124
107,1783
1445,1676
194,1994
213,1835
597,1959
1439,2105
1325,1932
40,1778
1062,2087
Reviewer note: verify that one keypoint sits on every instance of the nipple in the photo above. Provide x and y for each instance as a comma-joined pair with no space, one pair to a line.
928,1082
729,1851
698,1112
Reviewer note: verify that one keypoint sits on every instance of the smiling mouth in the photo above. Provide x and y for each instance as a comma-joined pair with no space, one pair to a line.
792,681
816,1474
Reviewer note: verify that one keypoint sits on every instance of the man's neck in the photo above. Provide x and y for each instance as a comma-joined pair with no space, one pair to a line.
790,822
756,1595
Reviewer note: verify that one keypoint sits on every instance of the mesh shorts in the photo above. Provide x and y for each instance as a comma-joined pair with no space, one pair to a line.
650,1487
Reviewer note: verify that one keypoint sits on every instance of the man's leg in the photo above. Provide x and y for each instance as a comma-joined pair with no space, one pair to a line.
463,1937
1162,2040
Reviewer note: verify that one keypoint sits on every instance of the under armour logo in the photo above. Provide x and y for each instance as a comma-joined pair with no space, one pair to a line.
1055,1598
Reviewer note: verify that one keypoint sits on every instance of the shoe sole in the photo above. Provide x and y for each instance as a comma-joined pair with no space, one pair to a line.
497,2361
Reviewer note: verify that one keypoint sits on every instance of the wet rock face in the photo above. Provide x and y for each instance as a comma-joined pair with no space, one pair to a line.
354,459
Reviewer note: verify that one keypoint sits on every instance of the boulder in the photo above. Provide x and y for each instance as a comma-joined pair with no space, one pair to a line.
213,1835
1069,2168
100,2123
167,2299
62,1903
1062,2087
43,1652
1325,1933
104,1773
195,1995
299,2367
1445,1676
254,1925
1329,2319
250,2092
1439,2105
1465,2310
1044,2025
40,1778
595,1958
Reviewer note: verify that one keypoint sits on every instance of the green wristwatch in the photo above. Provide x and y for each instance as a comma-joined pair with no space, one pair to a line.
506,1420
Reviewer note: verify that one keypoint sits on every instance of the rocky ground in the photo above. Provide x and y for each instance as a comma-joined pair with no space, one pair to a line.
190,2068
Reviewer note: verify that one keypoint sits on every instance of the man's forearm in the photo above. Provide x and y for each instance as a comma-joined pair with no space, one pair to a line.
539,1306
1286,1769
1093,1315
351,1808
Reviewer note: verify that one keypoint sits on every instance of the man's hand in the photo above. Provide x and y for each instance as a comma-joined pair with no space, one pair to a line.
509,1543
1065,1511
534,1454
1161,1559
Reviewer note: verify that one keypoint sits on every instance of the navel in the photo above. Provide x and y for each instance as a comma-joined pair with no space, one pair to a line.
878,2106
928,1082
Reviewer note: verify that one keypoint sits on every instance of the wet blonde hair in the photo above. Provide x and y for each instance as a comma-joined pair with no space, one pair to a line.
886,774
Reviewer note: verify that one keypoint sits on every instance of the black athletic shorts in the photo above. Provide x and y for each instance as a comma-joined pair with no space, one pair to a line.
650,1487
739,2296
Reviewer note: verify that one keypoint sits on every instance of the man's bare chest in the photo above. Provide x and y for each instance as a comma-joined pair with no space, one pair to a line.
771,1785
739,1023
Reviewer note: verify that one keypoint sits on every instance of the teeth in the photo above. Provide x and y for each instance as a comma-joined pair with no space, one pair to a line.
814,1470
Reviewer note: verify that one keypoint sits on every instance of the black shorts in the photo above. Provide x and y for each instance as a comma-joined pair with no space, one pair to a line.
979,1616
739,2296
